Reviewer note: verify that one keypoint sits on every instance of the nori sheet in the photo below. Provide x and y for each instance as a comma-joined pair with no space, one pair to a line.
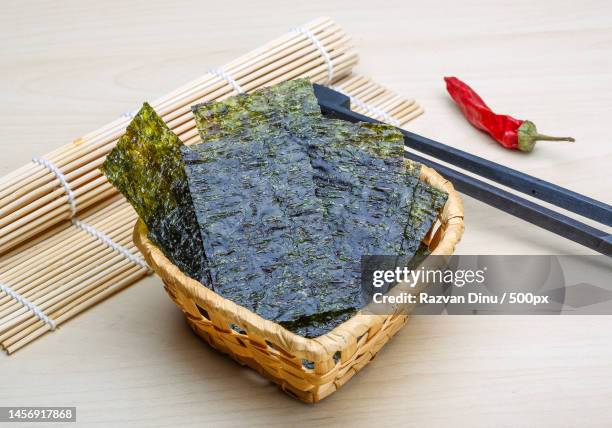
147,168
359,171
426,203
363,184
265,238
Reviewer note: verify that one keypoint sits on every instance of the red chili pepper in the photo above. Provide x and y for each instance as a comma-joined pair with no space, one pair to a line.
511,133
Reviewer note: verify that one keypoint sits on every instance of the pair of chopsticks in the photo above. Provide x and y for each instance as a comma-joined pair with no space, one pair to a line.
338,105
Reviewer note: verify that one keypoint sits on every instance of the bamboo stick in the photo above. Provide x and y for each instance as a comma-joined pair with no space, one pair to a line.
90,299
66,275
64,292
49,237
27,319
84,257
24,276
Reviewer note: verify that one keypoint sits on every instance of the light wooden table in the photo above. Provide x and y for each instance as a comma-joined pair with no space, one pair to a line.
68,67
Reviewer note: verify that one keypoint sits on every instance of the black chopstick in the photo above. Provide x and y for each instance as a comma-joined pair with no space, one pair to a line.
336,104
543,190
522,208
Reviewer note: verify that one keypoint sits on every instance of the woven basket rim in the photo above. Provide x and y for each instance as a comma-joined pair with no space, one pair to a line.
321,348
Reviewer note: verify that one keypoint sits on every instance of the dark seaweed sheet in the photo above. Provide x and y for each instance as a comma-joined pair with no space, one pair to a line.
427,201
366,190
147,168
362,178
266,241
375,205
360,175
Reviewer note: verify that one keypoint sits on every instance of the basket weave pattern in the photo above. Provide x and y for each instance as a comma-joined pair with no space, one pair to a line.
278,354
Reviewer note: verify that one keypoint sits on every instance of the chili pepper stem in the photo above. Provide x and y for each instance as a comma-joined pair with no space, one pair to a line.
542,137
528,135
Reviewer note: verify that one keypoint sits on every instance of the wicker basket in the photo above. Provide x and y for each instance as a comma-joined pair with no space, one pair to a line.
307,369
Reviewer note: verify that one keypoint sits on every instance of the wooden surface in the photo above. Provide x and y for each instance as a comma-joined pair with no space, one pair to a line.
70,67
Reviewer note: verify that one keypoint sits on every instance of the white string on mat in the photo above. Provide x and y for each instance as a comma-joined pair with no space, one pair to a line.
84,226
62,179
127,114
369,109
315,41
220,73
28,304
110,243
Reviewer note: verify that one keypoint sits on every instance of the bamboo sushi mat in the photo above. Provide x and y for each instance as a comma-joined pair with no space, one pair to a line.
65,233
